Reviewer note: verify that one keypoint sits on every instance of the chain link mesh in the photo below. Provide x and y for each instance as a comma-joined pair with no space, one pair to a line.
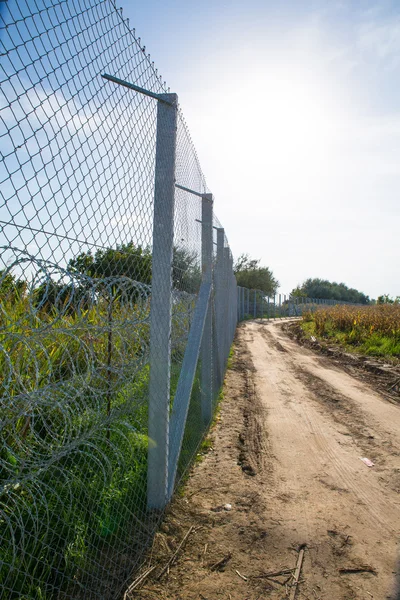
255,304
77,175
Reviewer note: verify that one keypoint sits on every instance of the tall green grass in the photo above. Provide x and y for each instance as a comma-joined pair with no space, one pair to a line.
73,460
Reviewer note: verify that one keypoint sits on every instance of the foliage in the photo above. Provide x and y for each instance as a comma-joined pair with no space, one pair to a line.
74,382
56,431
322,288
67,297
135,262
386,299
126,260
374,330
186,274
251,275
73,459
11,288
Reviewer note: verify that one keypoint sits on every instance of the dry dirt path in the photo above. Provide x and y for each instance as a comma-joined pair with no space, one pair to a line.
286,456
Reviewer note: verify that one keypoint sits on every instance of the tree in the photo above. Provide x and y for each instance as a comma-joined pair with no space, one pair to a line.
386,299
250,274
135,262
126,260
66,298
11,288
186,274
322,288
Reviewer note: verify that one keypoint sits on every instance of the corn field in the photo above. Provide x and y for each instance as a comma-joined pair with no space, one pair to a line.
376,329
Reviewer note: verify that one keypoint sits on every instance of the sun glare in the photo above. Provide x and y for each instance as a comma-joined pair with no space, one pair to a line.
294,122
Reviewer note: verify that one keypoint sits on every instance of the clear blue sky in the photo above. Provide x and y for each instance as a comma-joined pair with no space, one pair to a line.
294,108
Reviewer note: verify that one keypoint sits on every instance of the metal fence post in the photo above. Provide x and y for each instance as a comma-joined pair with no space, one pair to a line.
161,302
233,315
232,278
206,346
233,320
220,291
231,282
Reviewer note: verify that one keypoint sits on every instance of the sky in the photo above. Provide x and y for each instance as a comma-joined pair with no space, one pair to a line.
294,109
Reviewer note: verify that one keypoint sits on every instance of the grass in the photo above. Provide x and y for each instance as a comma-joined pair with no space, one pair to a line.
230,364
77,499
370,330
73,457
204,444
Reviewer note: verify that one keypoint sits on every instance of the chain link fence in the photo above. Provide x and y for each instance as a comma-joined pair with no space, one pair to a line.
118,303
256,304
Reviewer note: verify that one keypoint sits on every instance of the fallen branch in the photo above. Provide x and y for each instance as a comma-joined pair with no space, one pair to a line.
138,581
282,583
221,563
241,576
202,489
388,396
362,569
274,574
297,572
174,556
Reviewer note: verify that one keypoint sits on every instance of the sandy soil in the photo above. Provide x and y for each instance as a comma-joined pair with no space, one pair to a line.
286,457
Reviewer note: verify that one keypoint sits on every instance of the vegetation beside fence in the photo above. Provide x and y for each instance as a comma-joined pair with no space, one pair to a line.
73,461
372,330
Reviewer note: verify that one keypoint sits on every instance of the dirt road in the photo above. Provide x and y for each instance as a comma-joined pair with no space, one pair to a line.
286,456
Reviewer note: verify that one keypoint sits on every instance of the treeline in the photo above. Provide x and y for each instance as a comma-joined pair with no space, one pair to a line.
386,299
126,260
322,288
135,263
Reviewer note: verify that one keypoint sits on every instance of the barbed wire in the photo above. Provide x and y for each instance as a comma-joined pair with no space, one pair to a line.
74,355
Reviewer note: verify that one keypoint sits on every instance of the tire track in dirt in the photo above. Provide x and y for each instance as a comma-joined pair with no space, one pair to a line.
234,471
311,410
376,407
251,438
369,419
285,455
